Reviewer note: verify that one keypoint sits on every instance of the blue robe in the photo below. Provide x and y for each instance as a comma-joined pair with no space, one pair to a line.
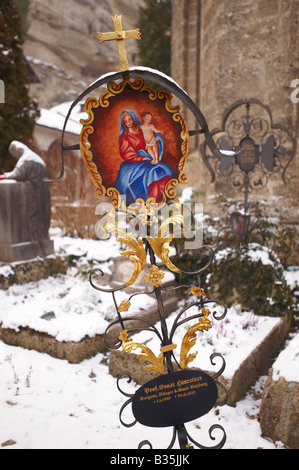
134,178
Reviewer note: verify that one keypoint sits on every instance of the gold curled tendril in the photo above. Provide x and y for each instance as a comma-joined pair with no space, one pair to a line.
175,218
157,363
161,249
136,253
160,244
189,339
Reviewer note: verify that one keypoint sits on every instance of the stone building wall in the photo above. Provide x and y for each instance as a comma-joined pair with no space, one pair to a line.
239,49
186,50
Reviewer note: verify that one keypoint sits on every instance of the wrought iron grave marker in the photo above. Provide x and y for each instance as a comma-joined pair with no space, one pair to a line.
262,148
134,144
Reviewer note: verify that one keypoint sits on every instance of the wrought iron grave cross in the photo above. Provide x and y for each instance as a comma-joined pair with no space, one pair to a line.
109,121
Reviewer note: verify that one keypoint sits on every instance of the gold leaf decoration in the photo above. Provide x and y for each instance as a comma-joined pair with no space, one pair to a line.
161,249
124,305
197,291
160,244
189,339
157,363
176,218
136,255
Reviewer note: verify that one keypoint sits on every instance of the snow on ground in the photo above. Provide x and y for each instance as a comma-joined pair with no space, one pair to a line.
47,403
287,362
65,307
89,248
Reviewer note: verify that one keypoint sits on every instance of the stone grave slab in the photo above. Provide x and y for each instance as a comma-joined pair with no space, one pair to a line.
31,270
255,364
76,351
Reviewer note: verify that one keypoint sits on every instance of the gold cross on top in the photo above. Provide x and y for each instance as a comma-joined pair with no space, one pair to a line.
119,35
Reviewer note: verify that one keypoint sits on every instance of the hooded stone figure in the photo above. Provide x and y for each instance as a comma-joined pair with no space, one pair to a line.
32,169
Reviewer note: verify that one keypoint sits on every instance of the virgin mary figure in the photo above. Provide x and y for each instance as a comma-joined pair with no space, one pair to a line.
138,177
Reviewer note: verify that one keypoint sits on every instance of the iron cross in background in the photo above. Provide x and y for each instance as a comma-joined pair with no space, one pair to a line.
264,147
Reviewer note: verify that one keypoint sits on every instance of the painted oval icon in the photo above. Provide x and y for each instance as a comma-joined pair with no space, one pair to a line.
134,143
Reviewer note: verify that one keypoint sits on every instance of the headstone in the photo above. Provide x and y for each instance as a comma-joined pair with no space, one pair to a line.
25,210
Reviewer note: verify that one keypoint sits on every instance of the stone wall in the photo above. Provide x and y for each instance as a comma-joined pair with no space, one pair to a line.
186,50
231,50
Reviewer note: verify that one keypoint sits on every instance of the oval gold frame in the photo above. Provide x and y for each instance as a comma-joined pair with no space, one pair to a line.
113,90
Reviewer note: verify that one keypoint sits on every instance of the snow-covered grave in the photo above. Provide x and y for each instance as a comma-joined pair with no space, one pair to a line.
64,315
60,397
245,340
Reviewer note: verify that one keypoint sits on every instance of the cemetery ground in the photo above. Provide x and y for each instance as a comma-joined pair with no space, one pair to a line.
50,403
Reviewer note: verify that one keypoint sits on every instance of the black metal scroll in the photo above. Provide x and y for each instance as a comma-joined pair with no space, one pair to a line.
210,382
262,147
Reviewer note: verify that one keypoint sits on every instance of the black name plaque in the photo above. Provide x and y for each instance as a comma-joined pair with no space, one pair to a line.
174,398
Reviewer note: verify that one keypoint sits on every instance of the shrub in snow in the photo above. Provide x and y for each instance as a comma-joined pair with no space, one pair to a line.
252,273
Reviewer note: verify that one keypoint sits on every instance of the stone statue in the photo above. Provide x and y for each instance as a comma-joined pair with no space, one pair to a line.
26,206
30,167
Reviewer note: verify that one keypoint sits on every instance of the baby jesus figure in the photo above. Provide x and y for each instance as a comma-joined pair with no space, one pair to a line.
149,132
